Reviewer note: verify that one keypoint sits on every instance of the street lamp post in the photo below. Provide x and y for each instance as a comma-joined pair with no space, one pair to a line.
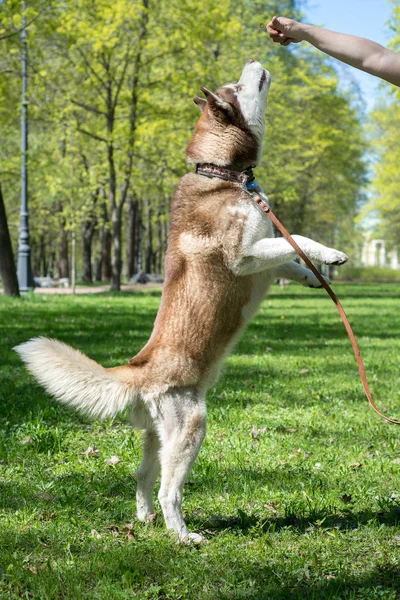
24,270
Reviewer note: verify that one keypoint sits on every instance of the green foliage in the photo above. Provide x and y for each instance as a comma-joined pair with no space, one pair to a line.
295,487
385,121
313,159
370,274
111,88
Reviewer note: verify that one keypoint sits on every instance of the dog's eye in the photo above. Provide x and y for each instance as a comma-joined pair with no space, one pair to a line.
238,88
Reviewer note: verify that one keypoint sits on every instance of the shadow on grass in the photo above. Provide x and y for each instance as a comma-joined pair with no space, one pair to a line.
316,519
111,334
161,569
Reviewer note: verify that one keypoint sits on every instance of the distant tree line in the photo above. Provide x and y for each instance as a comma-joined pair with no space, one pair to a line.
111,111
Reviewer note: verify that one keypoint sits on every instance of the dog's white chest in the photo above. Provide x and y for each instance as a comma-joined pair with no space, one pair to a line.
256,224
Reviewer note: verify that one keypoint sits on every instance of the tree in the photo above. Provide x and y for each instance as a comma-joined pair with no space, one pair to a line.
385,125
8,273
111,114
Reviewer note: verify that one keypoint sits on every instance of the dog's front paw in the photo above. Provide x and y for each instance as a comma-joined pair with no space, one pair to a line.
313,282
335,257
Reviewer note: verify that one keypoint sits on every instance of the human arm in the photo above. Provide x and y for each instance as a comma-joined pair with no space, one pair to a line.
358,52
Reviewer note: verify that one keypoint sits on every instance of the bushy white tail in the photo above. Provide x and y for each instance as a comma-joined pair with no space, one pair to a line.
75,379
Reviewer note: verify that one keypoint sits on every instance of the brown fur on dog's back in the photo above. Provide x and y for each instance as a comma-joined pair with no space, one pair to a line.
201,309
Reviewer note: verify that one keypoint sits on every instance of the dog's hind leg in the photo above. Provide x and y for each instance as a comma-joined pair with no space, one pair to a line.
147,474
182,429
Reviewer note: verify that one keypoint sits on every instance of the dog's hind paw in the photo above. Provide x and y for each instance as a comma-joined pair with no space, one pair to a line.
194,538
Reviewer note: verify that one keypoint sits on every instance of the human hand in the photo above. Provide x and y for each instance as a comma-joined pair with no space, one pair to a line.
284,31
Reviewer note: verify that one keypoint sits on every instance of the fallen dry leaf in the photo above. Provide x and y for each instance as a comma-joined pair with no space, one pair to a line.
128,527
355,465
272,506
256,432
114,530
296,452
114,460
152,518
45,516
96,534
396,460
304,371
130,537
26,440
91,451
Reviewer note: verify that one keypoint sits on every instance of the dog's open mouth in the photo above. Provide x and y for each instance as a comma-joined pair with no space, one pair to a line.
262,80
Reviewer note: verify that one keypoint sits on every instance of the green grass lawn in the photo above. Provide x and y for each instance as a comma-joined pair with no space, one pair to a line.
296,486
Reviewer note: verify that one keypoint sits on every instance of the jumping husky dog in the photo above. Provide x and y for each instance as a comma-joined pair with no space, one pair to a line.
222,257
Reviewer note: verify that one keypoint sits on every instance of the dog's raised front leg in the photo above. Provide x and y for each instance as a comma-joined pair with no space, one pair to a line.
295,272
269,253
182,428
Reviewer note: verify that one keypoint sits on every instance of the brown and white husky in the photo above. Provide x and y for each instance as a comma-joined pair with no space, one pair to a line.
222,257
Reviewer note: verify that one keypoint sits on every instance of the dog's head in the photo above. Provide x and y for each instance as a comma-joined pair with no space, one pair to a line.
231,128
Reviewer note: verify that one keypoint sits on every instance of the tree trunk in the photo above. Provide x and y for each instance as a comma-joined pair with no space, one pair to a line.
116,264
166,235
87,238
139,244
63,263
132,237
160,243
149,241
8,273
52,263
106,256
103,267
42,257
63,266
98,259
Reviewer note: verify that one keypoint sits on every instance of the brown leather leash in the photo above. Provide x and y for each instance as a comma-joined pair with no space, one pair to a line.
265,208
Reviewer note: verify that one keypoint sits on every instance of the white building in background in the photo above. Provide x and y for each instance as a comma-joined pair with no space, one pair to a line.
374,253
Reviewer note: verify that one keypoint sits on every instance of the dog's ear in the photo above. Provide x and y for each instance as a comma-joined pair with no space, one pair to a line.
201,102
217,104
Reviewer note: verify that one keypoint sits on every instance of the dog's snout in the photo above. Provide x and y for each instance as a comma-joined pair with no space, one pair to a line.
250,61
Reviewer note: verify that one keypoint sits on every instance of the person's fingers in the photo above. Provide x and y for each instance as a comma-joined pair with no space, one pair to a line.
270,27
286,42
282,40
277,24
277,38
275,35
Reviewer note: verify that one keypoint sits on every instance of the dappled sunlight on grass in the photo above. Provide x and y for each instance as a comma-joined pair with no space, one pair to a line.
295,488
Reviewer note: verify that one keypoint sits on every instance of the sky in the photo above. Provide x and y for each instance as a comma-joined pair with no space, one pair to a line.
365,18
